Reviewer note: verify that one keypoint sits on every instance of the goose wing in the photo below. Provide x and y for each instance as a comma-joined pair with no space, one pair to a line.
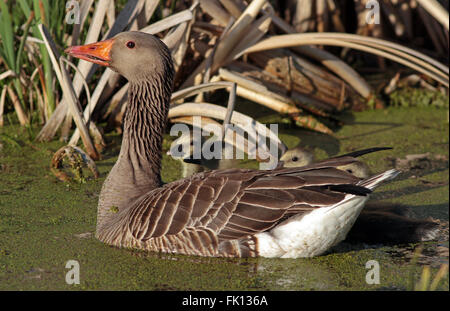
234,203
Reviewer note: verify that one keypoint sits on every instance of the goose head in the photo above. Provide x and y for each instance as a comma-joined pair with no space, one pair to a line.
297,157
135,55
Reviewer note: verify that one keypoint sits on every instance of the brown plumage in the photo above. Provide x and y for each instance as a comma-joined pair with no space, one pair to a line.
216,213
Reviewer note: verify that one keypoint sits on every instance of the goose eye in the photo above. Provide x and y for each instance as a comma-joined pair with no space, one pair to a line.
130,44
295,159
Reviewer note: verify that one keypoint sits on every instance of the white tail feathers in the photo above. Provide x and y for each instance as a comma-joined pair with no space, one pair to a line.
372,182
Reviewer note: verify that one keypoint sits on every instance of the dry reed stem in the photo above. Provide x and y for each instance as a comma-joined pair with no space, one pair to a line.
70,97
243,146
303,18
197,89
78,28
322,15
216,11
7,74
168,22
295,73
147,13
335,16
257,30
2,105
210,57
218,112
235,34
22,116
128,15
52,125
436,10
111,14
427,21
235,9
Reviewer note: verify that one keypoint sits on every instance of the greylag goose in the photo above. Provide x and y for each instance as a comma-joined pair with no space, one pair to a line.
285,212
387,223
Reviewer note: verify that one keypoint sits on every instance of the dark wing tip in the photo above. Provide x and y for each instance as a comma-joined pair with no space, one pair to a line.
359,153
351,189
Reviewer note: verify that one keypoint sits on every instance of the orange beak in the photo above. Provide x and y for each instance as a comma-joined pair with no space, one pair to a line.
98,52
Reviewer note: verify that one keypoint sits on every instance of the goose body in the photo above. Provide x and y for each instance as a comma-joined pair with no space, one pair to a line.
286,212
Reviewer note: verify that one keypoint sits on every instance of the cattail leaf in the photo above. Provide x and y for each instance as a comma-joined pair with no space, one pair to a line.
6,33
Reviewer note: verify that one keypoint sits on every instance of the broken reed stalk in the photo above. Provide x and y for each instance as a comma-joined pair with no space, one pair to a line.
94,131
53,53
126,16
7,74
335,16
22,116
181,41
2,105
111,14
302,18
69,94
92,103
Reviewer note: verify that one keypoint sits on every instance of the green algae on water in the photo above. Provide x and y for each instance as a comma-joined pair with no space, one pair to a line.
44,222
